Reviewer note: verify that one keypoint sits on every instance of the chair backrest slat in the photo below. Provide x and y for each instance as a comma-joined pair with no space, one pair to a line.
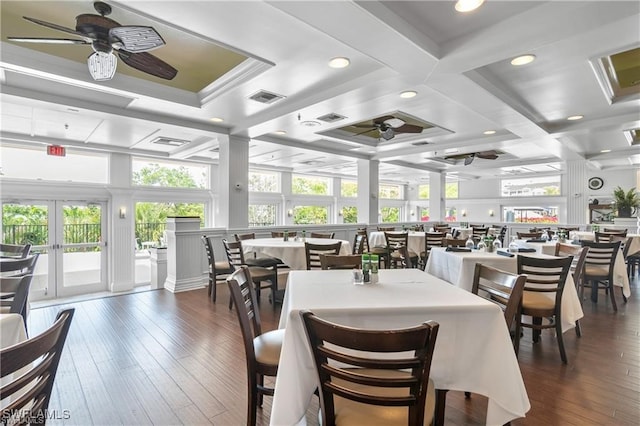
337,261
501,287
327,235
15,250
313,252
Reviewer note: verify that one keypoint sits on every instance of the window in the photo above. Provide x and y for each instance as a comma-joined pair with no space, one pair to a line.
451,190
534,214
423,191
424,214
451,214
349,214
310,185
393,192
390,214
168,174
348,188
531,187
32,162
151,219
262,181
303,215
262,214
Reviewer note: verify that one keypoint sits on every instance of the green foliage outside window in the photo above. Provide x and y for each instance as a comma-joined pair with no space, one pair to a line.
424,215
393,192
155,174
262,215
263,182
423,191
350,214
25,224
348,188
451,190
303,215
310,185
390,214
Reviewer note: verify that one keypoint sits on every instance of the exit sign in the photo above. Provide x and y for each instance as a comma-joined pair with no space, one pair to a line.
57,150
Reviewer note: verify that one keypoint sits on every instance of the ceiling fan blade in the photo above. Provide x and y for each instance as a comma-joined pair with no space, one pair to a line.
487,155
59,28
408,128
365,126
469,159
148,63
370,129
47,40
457,156
137,39
381,120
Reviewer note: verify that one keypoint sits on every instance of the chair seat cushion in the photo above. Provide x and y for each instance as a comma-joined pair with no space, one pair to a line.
354,413
260,273
537,300
265,262
596,271
223,267
267,347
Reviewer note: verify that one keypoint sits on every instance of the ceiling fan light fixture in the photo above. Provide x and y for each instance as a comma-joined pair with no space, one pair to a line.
468,5
339,62
102,66
387,134
408,94
523,60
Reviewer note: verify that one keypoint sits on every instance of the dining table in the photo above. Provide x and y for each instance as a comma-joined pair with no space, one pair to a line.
620,276
457,268
290,251
473,351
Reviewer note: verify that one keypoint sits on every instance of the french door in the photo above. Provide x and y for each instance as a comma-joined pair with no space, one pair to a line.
69,235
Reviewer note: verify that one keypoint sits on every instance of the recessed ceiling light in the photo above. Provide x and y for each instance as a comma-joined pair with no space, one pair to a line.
280,132
451,150
339,62
489,132
523,60
217,119
408,94
468,5
575,117
310,123
604,151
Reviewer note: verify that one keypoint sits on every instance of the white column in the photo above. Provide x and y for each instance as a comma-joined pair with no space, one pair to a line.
576,187
233,178
121,244
368,189
287,205
185,260
437,183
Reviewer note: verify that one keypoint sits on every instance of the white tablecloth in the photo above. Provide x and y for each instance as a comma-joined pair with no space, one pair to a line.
590,236
291,252
620,277
473,350
458,268
415,241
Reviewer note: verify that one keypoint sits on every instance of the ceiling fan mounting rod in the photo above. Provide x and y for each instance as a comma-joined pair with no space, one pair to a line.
102,8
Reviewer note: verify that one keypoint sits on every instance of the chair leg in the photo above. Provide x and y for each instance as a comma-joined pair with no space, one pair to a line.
260,386
624,298
536,331
441,402
563,353
578,329
612,294
252,403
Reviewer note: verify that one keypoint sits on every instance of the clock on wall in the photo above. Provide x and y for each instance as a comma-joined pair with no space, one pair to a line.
595,183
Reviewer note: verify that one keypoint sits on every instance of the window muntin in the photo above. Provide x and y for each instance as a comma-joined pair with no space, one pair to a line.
33,163
169,174
390,192
530,214
348,188
264,181
303,215
531,186
310,185
262,215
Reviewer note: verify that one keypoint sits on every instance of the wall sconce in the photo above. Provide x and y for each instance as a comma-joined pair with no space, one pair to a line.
238,186
491,213
290,212
374,196
123,212
340,213
464,213
413,213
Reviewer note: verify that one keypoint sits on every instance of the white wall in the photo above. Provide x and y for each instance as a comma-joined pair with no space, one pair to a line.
611,179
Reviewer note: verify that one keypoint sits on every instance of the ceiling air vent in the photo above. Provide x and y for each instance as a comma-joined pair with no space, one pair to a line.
421,143
161,140
265,97
332,117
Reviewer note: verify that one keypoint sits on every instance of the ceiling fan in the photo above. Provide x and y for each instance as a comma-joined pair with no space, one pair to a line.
106,36
388,126
469,157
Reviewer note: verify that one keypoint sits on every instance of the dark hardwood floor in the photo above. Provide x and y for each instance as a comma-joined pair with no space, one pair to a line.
160,358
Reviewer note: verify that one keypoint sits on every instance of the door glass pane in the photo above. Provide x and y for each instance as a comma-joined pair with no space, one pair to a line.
82,248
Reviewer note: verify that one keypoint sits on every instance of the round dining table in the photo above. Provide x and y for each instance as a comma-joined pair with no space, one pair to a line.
291,251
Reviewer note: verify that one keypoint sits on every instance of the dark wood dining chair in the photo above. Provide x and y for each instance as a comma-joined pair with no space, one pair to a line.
247,236
218,269
622,232
398,252
606,237
340,261
327,235
264,260
360,243
577,268
599,269
19,266
259,274
477,233
262,349
373,389
529,235
280,234
15,250
28,370
544,277
313,251
454,242
386,228
431,239
15,295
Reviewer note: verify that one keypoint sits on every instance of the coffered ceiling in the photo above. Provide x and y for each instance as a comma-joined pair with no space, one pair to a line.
469,97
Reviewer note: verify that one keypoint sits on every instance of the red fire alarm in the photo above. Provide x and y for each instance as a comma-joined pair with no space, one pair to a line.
57,150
